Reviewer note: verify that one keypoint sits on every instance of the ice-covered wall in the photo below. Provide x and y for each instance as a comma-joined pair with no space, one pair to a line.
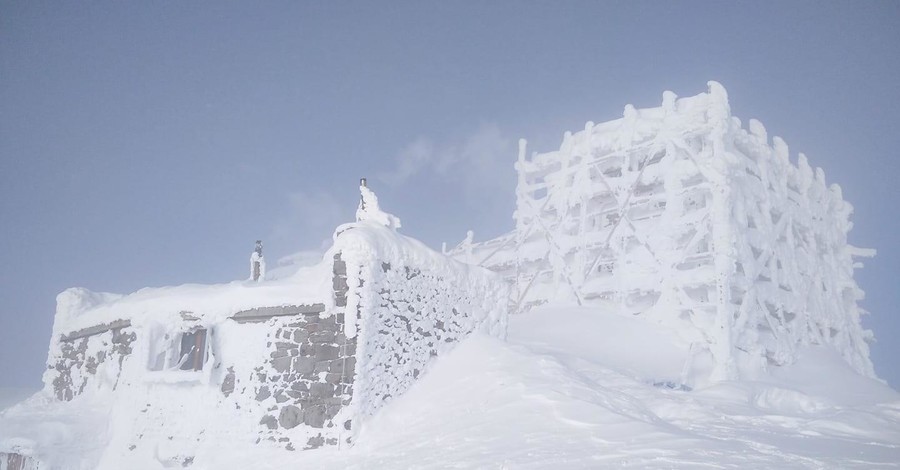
96,358
308,381
679,215
411,305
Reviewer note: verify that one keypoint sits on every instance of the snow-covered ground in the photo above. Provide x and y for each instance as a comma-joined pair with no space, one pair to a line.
573,388
12,395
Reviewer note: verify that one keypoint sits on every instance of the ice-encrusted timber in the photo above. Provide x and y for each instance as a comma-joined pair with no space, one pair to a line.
680,216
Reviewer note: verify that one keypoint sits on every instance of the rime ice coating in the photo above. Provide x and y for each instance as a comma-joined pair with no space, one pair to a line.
679,216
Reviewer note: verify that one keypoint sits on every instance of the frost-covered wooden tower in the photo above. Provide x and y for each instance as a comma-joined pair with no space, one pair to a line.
681,216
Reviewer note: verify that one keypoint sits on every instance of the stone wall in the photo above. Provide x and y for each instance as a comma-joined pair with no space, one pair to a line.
409,314
307,380
74,367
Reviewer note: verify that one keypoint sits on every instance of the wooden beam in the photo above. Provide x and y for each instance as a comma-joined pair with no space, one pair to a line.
261,314
96,330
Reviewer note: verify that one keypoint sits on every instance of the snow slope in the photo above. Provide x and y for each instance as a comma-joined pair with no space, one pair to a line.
577,388
574,388
12,395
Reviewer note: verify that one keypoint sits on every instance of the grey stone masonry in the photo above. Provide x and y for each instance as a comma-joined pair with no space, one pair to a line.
309,377
112,342
339,281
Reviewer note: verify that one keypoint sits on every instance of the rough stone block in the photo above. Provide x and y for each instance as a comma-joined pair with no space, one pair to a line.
349,366
228,382
269,421
321,390
321,367
91,365
281,364
336,365
300,335
315,442
307,349
304,365
322,337
314,416
297,395
326,352
289,417
283,345
331,411
327,323
348,349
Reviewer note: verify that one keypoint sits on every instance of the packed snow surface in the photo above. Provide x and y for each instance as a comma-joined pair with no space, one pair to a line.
11,395
576,388
573,388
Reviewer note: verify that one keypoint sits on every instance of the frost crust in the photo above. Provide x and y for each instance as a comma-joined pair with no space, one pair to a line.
680,216
406,305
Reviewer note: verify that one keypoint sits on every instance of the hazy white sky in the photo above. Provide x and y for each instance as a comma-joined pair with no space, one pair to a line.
146,144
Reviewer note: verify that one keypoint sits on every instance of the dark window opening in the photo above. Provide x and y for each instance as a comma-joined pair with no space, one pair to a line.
193,350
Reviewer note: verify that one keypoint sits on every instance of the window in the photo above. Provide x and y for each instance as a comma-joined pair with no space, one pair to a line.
187,351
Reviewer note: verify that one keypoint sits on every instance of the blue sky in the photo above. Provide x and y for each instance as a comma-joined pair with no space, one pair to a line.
146,144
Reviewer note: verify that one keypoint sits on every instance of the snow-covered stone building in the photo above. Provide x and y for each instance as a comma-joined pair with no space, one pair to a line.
675,215
679,215
162,375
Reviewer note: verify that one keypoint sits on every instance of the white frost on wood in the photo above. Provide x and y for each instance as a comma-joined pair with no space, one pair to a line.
406,304
680,216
